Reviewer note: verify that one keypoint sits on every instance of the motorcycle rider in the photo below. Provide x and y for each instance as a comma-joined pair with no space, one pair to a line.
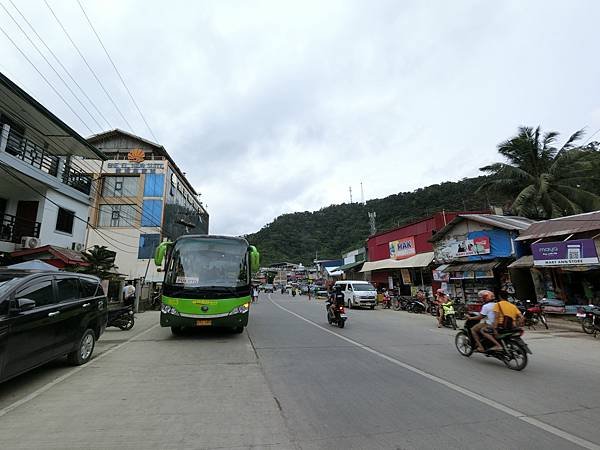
487,327
441,298
337,300
504,309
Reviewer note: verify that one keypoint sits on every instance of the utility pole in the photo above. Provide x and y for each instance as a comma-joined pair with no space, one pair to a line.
350,189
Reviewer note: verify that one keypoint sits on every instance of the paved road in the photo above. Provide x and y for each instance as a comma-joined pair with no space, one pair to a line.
387,380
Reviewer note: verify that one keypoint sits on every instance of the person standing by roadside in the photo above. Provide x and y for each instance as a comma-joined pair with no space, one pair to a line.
254,294
129,294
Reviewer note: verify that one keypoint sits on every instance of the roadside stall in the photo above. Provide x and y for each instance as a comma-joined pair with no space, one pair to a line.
474,251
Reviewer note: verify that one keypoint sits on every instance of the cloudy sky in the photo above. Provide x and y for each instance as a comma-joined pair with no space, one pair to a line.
280,106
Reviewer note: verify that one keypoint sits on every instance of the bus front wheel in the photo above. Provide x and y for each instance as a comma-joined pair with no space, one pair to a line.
176,331
238,330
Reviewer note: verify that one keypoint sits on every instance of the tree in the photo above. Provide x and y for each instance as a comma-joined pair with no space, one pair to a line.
542,180
101,262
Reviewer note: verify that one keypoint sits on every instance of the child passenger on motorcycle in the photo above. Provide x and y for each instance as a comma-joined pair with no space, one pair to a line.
487,327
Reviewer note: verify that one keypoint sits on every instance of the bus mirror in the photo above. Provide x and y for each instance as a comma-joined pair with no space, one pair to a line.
254,259
160,252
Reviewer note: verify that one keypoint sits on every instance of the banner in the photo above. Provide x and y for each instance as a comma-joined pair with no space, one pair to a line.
564,253
405,276
476,246
402,248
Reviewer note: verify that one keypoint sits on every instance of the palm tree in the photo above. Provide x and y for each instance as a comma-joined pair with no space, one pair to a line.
545,181
101,262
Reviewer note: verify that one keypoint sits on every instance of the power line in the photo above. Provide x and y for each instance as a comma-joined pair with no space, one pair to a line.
88,65
92,170
61,64
49,64
45,79
117,71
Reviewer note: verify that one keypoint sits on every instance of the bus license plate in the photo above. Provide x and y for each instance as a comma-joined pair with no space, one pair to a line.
203,323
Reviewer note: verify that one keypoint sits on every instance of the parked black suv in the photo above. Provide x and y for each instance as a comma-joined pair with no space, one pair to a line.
46,315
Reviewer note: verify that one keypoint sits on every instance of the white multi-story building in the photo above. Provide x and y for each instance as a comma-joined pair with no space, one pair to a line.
45,196
141,198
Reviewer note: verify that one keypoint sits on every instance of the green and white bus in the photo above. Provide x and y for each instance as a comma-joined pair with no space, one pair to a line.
207,282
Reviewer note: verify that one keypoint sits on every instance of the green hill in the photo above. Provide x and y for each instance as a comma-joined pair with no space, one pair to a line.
336,229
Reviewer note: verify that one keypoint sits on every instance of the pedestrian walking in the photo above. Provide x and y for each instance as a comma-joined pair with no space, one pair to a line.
254,294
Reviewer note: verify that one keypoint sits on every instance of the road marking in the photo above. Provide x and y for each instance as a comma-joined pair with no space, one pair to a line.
489,402
72,372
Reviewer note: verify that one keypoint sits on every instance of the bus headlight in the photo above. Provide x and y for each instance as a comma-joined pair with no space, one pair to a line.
168,309
240,309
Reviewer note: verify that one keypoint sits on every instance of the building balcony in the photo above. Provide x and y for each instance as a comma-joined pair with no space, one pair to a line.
13,228
42,159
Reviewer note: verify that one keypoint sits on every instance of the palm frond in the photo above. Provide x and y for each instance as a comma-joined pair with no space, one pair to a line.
571,141
525,199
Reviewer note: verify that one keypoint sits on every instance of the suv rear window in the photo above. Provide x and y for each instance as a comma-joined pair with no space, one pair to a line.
68,289
88,287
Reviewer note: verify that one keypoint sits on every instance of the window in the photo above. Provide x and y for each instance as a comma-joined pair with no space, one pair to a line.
88,287
116,216
68,289
64,220
120,186
40,292
153,185
151,213
148,243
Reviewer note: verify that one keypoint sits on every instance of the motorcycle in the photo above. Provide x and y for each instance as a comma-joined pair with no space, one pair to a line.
533,313
336,315
293,292
121,317
590,319
449,315
386,302
460,309
514,349
416,306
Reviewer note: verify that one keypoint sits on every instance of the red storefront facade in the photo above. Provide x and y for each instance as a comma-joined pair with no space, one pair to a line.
416,235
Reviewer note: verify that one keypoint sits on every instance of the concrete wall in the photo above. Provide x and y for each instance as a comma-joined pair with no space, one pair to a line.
48,233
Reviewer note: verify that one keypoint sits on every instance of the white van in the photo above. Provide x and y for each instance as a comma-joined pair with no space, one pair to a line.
358,293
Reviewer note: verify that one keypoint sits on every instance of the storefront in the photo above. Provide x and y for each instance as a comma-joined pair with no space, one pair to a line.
474,252
405,276
564,265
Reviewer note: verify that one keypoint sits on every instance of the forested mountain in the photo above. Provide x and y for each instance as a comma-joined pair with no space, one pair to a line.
336,229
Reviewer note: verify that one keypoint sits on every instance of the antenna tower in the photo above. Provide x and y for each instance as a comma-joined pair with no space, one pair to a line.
350,189
362,194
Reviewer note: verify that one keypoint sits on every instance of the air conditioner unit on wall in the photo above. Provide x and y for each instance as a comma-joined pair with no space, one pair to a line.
29,242
77,246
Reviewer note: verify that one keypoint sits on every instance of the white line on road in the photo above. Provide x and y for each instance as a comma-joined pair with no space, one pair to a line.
72,372
494,404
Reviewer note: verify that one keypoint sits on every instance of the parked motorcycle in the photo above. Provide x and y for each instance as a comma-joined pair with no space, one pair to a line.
293,292
449,315
416,306
336,315
121,317
401,302
533,313
460,309
432,307
514,349
590,319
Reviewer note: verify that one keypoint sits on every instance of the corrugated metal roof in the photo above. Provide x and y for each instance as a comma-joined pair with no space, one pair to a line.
504,222
562,226
472,266
523,262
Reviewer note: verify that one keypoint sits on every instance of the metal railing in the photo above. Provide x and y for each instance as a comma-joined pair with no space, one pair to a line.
13,228
39,157
77,179
32,153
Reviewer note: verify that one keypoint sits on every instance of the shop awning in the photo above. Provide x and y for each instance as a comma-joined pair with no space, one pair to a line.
333,271
524,262
472,266
416,261
351,265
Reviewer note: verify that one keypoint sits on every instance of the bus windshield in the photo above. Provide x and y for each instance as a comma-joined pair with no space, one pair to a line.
197,263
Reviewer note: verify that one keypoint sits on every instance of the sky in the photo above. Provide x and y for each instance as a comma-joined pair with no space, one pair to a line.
279,106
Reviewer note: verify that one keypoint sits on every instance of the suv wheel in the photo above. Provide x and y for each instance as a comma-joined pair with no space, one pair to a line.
84,350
